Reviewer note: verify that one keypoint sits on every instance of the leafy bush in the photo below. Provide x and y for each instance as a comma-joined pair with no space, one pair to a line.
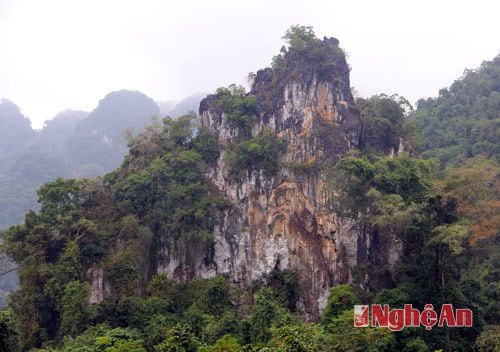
306,56
384,125
489,340
340,299
261,152
206,144
179,338
75,310
240,108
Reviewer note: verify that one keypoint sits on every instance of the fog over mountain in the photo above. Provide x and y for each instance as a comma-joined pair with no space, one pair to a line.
15,132
57,131
98,141
413,50
184,106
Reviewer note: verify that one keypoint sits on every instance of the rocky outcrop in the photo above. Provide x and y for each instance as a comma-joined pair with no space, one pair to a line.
99,287
286,221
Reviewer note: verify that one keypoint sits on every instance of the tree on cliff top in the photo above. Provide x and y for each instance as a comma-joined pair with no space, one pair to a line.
299,36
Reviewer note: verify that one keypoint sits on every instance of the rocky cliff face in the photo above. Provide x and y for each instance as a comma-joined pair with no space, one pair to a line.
286,221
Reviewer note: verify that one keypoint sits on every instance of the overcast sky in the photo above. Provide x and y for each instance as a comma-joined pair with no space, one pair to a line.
58,54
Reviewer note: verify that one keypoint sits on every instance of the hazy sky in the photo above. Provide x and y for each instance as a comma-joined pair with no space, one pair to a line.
58,54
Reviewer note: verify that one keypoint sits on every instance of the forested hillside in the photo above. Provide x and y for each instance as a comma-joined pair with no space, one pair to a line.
389,208
464,121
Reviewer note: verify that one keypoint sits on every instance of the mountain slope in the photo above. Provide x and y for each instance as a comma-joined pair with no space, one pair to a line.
464,121
98,142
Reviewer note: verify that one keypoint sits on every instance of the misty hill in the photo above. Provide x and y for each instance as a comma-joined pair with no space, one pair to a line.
190,103
56,132
165,106
98,141
15,132
174,108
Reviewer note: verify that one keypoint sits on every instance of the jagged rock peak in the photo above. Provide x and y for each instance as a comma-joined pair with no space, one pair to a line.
284,221
319,61
304,97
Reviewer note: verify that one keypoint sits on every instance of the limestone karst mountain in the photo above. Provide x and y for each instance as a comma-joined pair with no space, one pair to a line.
56,132
98,141
285,221
273,147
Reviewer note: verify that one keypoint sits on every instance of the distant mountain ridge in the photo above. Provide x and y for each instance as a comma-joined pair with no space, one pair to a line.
97,143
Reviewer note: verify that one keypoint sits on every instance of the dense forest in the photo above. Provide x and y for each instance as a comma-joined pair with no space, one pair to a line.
426,178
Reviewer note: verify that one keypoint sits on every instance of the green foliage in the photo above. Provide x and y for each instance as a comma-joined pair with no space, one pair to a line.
299,37
157,199
261,152
220,325
399,180
59,198
102,338
489,340
416,345
85,342
464,120
206,143
341,298
75,312
179,339
299,338
161,286
265,314
123,273
383,124
120,340
227,343
216,298
241,109
452,236
158,206
345,337
306,56
389,212
8,331
395,297
169,193
285,287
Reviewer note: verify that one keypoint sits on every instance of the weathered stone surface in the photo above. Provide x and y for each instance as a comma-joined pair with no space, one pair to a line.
99,287
286,221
